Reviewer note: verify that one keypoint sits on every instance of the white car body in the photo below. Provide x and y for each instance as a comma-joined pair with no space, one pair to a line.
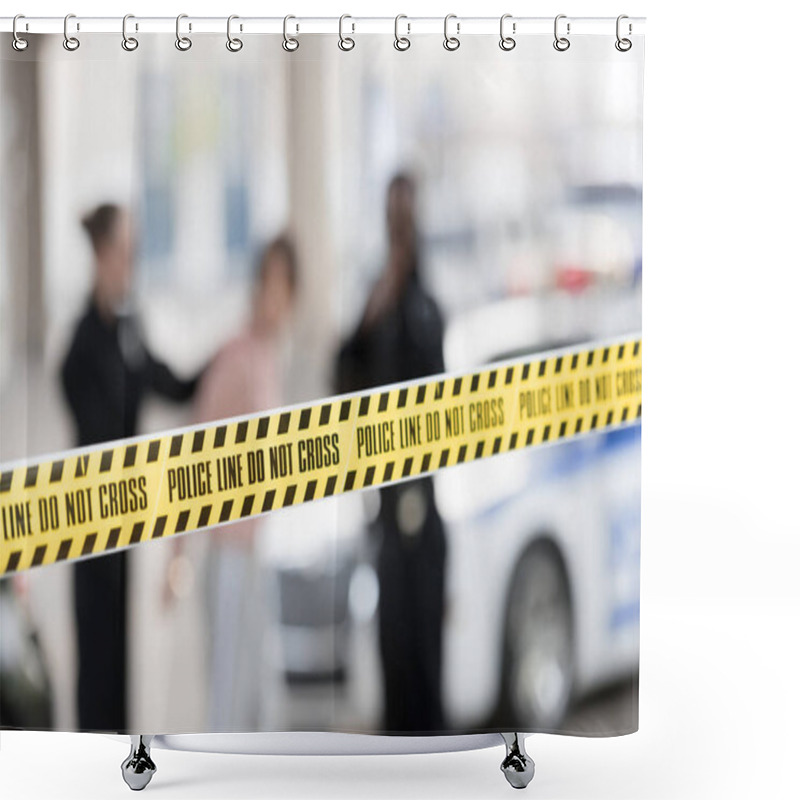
583,495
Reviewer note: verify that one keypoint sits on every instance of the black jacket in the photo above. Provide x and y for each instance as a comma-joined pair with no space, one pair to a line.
107,373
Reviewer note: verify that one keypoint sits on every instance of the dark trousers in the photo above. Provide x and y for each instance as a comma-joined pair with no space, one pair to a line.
411,572
100,609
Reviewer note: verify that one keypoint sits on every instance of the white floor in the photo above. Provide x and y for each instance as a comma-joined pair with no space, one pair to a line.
719,710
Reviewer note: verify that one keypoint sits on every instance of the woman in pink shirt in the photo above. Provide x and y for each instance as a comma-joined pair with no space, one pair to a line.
244,377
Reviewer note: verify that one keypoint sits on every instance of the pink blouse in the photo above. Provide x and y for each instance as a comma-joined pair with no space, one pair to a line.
243,378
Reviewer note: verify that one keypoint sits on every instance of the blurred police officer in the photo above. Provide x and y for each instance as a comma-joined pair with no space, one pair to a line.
107,373
399,338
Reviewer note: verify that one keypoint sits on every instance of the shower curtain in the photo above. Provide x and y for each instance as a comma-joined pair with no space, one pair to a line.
207,241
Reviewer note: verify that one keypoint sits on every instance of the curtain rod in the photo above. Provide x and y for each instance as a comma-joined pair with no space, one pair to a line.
518,26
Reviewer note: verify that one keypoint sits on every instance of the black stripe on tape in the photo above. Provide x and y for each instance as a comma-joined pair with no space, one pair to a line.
492,378
497,444
624,414
636,349
559,362
421,394
247,505
263,428
475,383
288,499
63,549
426,463
130,456
526,371
225,511
106,460
13,560
88,544
363,406
305,419
462,454
606,351
30,476
610,417
344,411
639,411
158,528
198,440
330,486
387,471
311,490
56,471
402,398
269,500
479,449
443,457
407,465
574,364
579,425
136,533
542,368
325,414
594,421
439,391
546,434
205,515
349,481
590,358
283,423
241,431
457,387
512,442
175,446
152,451
369,476
219,436
39,553
113,538
183,521
562,429
529,437
509,375
620,352
383,402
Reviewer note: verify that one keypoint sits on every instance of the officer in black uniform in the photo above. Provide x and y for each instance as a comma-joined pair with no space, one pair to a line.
106,374
399,338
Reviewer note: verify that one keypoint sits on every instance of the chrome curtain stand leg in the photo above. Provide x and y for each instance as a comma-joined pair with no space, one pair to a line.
138,768
517,766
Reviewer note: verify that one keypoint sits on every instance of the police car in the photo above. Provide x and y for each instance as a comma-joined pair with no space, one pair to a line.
550,535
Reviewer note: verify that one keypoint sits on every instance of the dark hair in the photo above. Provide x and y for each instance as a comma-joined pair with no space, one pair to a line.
99,223
402,180
283,247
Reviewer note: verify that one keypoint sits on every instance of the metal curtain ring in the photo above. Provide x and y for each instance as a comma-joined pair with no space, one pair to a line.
346,42
451,42
561,43
233,44
183,43
71,43
623,44
290,43
17,42
507,42
129,43
401,43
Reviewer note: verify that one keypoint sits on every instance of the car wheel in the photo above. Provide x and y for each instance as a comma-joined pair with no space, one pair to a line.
539,647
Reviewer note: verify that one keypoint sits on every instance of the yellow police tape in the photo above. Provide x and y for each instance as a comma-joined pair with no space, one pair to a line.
95,500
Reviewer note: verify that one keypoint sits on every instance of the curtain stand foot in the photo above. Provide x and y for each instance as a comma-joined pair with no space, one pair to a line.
517,766
138,768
